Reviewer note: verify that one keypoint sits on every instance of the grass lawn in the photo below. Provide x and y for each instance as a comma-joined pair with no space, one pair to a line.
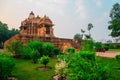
114,50
25,70
115,66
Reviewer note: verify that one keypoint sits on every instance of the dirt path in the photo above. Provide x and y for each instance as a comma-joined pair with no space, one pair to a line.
1,50
107,54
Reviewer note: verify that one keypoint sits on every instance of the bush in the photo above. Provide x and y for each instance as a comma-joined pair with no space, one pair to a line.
117,46
35,56
60,68
6,66
57,51
62,57
87,55
36,45
88,45
111,46
44,60
27,53
16,48
118,58
79,68
106,48
98,46
48,49
71,50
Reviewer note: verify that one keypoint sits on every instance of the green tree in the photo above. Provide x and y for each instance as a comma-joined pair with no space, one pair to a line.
44,60
3,33
90,26
87,36
115,21
13,32
78,37
82,31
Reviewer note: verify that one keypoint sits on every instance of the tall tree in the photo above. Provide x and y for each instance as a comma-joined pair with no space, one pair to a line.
90,26
13,32
3,33
82,31
115,21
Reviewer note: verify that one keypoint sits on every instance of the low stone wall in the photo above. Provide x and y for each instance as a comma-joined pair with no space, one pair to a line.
58,42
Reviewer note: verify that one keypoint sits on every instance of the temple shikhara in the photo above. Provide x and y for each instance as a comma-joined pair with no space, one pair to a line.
37,26
41,28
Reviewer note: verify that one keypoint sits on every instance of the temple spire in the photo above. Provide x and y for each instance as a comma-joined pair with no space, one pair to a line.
31,15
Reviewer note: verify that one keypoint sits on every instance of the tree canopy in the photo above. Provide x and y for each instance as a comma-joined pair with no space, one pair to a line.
90,26
78,37
115,21
5,33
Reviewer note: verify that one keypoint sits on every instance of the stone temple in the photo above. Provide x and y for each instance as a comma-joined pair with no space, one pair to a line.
41,28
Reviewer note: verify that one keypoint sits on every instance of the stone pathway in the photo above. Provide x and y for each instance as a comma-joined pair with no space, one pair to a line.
107,54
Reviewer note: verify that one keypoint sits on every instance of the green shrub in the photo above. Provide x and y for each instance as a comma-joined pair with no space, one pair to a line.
27,53
111,46
44,60
48,49
6,66
62,57
36,45
88,45
35,56
117,46
87,55
98,46
57,51
60,69
71,50
106,47
79,68
118,58
15,47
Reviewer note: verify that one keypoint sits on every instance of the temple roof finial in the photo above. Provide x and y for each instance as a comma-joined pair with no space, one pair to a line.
31,15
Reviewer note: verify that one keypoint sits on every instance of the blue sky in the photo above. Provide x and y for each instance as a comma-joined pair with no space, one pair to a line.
69,16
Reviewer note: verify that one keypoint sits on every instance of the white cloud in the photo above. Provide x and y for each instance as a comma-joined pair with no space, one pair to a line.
99,3
60,1
81,9
30,1
104,17
51,6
